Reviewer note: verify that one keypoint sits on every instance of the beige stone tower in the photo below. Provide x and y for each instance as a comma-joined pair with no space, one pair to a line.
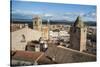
37,23
78,35
45,32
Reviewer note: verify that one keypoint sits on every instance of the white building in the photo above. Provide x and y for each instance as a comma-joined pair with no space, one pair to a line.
21,37
61,34
64,33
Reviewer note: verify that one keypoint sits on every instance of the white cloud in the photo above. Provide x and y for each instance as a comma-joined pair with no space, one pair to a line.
48,15
74,14
93,14
71,16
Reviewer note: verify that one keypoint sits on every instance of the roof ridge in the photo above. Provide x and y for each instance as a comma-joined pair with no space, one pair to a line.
25,28
77,51
39,57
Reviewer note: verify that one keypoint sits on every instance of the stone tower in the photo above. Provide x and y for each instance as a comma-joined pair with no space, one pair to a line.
37,23
45,32
78,35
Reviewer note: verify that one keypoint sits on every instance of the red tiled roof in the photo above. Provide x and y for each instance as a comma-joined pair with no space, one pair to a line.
40,57
26,55
44,60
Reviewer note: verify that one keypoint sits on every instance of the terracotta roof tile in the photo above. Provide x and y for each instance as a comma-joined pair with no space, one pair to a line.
26,55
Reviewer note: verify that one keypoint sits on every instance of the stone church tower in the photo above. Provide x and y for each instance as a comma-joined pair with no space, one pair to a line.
37,23
78,35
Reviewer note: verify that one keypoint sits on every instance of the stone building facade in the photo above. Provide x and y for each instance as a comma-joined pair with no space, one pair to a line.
78,35
37,23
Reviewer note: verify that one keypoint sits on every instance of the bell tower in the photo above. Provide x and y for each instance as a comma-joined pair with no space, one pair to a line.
78,35
37,23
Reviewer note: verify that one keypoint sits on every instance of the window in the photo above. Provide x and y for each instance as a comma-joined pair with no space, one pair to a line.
23,38
35,22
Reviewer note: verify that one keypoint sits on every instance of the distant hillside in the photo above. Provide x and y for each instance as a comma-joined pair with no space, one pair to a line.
88,23
91,23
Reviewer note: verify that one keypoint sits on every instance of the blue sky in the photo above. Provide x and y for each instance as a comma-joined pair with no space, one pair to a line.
53,11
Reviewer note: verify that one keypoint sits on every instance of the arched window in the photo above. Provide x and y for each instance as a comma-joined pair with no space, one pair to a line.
35,23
